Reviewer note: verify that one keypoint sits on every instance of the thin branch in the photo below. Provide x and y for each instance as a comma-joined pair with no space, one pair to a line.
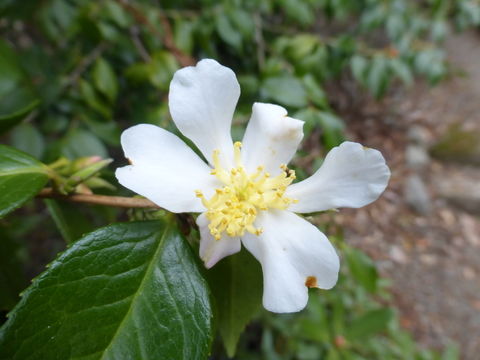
84,64
166,38
115,201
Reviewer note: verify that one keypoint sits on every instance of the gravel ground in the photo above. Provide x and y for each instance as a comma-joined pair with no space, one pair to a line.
433,257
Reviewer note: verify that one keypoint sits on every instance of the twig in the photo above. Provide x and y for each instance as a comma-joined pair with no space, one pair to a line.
166,38
137,42
84,64
115,201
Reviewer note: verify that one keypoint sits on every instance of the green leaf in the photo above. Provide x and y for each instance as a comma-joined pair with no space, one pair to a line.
105,79
359,66
69,220
362,269
286,90
93,100
21,178
27,138
127,291
80,143
16,96
236,284
227,32
401,69
12,278
370,323
377,79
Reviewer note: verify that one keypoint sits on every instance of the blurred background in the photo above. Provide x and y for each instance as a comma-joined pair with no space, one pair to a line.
400,76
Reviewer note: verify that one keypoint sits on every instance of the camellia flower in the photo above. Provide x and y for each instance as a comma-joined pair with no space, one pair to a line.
244,191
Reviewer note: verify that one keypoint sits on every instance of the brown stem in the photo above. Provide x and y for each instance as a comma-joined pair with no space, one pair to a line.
115,201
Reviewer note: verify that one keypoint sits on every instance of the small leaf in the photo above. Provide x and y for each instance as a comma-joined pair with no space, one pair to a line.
227,32
359,66
362,269
105,79
286,90
377,79
127,291
401,69
21,178
236,284
370,323
80,143
27,138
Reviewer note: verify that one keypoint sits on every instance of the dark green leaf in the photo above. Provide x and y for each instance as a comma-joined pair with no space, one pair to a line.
236,284
27,138
369,324
227,32
105,79
70,221
82,143
286,90
12,278
93,99
21,177
128,291
16,96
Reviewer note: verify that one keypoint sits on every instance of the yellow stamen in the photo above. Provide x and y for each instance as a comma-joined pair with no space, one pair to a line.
234,207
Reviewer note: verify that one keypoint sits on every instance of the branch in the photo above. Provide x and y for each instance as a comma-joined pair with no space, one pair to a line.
166,38
115,201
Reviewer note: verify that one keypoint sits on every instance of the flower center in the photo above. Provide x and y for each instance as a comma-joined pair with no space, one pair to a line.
234,207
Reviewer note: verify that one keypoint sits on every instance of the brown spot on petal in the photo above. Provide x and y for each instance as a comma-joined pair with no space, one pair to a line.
130,161
311,282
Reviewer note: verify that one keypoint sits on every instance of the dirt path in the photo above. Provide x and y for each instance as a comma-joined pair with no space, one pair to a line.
434,258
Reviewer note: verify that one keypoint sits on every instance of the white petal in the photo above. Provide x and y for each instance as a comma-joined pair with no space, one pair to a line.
211,250
202,100
351,176
292,252
164,169
271,138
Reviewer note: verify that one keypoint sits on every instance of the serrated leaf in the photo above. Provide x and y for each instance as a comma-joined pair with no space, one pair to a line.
105,79
236,284
370,323
127,291
21,178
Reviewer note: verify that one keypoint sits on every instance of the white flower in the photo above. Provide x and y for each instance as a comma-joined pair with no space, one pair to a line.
244,192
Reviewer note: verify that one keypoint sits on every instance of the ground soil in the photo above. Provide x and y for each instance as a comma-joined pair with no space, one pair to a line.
434,259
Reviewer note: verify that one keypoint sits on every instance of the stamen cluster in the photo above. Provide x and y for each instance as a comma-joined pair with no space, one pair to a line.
234,207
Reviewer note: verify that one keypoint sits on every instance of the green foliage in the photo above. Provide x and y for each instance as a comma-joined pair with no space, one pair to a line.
347,322
74,74
127,291
21,178
236,284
